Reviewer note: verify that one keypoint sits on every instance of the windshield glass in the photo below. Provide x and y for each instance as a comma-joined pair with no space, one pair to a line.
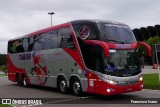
116,33
122,63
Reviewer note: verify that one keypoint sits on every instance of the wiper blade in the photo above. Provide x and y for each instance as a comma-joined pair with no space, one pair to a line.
111,40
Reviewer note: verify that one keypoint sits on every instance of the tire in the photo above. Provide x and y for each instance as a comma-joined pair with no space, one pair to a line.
76,87
24,80
18,80
62,85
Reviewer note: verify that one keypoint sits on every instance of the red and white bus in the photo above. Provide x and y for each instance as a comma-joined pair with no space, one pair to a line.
90,56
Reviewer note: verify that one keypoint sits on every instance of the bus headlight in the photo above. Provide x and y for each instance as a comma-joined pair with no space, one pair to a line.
109,81
141,79
112,82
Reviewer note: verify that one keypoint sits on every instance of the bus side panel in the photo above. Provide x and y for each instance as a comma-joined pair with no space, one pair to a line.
57,62
13,68
76,67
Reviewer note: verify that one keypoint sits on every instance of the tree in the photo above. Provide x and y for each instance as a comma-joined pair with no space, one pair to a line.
3,60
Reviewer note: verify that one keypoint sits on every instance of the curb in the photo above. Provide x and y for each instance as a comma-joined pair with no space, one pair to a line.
150,90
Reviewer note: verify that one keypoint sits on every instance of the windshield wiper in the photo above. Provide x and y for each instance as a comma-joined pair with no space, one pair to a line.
111,40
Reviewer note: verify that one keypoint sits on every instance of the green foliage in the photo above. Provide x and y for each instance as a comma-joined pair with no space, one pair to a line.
4,68
3,62
150,41
3,59
153,40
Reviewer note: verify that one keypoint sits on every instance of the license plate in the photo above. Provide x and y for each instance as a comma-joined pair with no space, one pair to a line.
129,89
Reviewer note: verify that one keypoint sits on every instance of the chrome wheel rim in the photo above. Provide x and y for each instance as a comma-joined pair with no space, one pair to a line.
25,81
63,85
76,87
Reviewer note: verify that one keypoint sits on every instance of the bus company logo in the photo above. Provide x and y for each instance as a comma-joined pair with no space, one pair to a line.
84,32
25,56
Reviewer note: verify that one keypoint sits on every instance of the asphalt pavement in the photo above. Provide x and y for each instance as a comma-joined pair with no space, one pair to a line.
148,69
9,89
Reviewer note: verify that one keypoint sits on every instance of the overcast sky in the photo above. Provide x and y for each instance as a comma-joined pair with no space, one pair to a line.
19,17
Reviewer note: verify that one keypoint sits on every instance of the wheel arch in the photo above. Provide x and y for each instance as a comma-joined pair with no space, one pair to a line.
59,76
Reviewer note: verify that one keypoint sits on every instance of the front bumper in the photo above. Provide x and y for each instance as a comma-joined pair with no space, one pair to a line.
108,89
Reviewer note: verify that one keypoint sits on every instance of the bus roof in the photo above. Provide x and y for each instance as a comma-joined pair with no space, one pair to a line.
67,24
96,21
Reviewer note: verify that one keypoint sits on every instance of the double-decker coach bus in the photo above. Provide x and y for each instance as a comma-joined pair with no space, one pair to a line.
90,56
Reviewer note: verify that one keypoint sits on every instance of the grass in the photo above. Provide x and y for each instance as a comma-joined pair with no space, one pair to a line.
5,105
151,81
2,75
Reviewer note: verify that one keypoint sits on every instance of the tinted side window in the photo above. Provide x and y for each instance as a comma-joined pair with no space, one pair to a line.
48,40
30,43
25,44
39,42
66,37
51,39
16,46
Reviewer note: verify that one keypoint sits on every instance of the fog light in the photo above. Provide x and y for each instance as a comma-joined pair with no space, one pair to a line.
141,86
108,90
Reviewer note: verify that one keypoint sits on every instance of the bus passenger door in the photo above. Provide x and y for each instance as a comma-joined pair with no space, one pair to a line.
92,58
99,68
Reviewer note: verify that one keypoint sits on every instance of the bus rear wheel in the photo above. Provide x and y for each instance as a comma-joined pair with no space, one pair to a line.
62,85
18,80
76,87
25,82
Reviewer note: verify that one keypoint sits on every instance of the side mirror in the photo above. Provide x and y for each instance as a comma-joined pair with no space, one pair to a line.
149,50
103,45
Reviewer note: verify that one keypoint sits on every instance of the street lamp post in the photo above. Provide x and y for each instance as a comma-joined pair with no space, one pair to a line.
51,13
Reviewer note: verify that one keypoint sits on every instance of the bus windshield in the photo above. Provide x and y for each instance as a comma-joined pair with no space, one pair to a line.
122,63
116,33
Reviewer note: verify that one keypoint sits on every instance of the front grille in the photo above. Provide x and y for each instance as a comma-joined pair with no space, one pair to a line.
126,83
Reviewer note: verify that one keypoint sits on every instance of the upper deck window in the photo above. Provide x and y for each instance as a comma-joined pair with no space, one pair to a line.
116,33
